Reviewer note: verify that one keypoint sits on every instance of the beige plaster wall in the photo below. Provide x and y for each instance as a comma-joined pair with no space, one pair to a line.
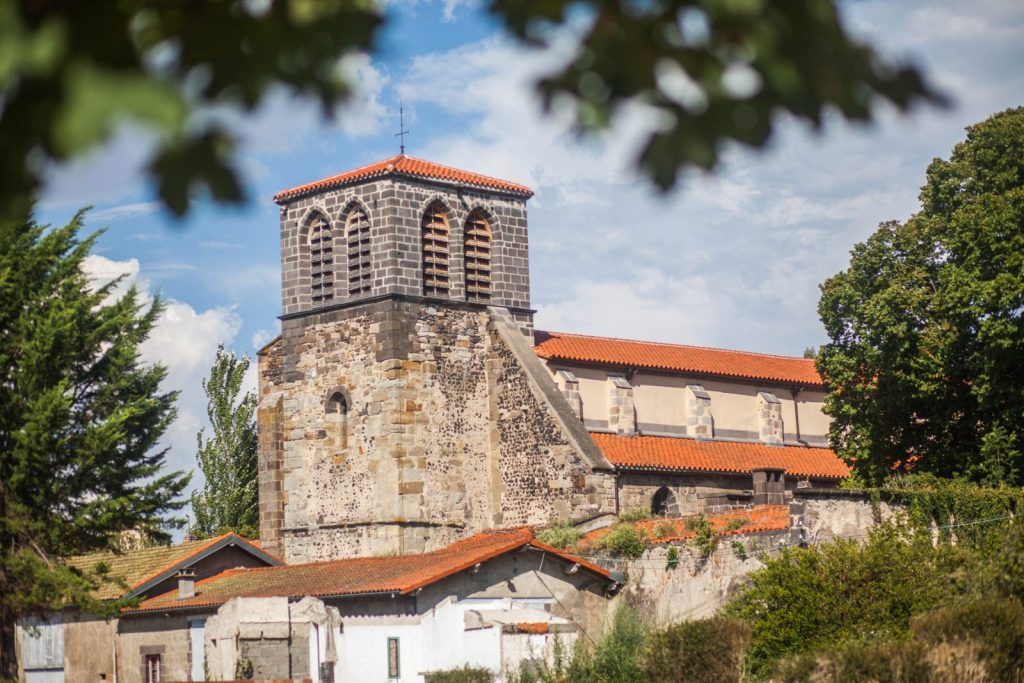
88,648
156,634
660,404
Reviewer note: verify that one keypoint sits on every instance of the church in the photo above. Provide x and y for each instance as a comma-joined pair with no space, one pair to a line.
409,402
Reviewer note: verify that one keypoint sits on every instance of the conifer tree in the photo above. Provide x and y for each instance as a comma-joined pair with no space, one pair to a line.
80,419
229,499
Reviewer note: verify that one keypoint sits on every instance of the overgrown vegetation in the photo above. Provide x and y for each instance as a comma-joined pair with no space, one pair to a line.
465,674
561,534
704,540
634,515
624,540
702,651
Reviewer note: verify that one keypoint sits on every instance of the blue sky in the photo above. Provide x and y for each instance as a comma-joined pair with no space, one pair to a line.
730,260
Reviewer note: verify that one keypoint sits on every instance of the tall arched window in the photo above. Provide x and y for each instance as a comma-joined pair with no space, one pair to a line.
435,232
321,260
357,232
336,415
478,257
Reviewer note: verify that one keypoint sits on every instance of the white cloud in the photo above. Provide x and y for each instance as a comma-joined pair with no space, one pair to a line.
185,341
734,258
125,211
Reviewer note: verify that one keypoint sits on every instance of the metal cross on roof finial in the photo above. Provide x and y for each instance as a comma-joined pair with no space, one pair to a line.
402,132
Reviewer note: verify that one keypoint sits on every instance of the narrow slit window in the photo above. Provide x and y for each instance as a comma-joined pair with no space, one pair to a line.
435,234
394,661
478,257
337,417
321,261
357,231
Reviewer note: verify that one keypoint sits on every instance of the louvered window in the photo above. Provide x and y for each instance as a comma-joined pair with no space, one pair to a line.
357,230
478,257
435,252
321,261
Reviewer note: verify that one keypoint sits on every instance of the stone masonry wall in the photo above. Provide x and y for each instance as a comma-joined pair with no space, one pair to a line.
445,435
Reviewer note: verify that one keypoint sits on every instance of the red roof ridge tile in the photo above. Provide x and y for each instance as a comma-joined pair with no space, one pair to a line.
672,345
403,164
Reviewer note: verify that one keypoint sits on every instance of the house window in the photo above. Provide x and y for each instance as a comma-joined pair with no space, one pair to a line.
153,668
435,233
321,260
337,417
394,670
478,257
357,232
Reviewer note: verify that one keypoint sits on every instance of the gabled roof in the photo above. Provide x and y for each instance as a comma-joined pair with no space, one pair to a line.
403,165
142,569
666,453
401,574
676,358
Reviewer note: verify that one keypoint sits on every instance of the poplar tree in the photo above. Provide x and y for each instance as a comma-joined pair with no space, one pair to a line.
926,359
80,420
229,500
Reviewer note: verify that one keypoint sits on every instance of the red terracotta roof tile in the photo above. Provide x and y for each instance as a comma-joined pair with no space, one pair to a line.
675,358
535,627
407,166
400,574
675,453
759,519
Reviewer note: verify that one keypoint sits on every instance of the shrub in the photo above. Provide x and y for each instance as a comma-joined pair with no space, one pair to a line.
893,661
663,529
625,540
704,540
634,515
736,523
561,534
990,629
672,559
704,651
616,657
807,599
739,549
466,674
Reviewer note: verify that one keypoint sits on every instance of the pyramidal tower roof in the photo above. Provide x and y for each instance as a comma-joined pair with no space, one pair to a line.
404,165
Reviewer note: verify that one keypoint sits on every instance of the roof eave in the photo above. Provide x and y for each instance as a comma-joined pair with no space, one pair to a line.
288,196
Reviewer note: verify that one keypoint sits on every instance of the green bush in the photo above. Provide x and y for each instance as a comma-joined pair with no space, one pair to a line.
704,651
663,529
704,540
625,540
813,598
974,642
672,558
634,515
561,534
740,550
466,674
990,629
736,523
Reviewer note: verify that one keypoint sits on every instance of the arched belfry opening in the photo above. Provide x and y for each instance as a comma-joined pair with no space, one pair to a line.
663,503
336,419
357,240
435,233
477,255
321,260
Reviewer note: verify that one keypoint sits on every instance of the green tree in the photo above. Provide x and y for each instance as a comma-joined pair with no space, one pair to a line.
229,500
715,70
927,336
80,418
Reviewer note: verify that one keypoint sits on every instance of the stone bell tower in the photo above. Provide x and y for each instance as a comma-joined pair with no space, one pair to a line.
401,409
